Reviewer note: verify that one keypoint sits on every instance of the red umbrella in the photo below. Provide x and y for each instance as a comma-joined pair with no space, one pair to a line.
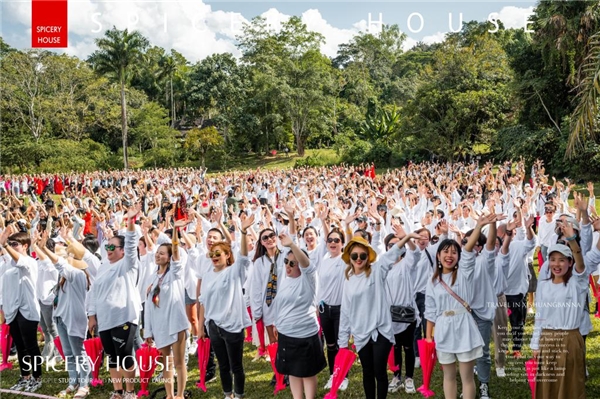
279,378
93,348
146,358
260,328
249,329
5,344
203,355
531,367
58,345
392,361
596,294
343,362
428,358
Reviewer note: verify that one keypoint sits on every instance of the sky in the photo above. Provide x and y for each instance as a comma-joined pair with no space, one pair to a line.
199,28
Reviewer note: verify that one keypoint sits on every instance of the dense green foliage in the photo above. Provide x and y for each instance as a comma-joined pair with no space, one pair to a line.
512,92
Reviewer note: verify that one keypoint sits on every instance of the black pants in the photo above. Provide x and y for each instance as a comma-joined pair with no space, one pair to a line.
330,324
518,311
373,358
211,367
118,345
404,341
229,348
421,329
24,335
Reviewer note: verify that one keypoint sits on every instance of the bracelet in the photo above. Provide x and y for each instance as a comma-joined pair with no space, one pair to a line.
175,242
244,232
509,233
571,238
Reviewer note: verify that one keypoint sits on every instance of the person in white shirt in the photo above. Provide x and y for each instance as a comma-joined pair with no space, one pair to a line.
165,320
114,307
556,340
69,313
47,278
300,351
546,226
456,334
20,306
365,312
222,310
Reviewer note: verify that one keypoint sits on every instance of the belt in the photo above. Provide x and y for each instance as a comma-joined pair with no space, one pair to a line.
323,306
454,312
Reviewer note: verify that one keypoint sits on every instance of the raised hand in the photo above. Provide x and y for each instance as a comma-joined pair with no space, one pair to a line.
285,240
247,222
399,231
529,221
133,211
181,223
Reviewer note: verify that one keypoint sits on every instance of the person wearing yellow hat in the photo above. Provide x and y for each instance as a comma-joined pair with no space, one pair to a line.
365,312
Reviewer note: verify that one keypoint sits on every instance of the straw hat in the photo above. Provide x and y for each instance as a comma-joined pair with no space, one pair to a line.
77,251
364,243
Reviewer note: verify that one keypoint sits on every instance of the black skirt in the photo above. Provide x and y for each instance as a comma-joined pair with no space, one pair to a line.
300,357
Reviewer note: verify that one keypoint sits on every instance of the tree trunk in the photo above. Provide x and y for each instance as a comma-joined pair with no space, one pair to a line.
172,106
202,156
300,145
124,125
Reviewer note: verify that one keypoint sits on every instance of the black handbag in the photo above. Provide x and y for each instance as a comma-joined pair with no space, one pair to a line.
403,314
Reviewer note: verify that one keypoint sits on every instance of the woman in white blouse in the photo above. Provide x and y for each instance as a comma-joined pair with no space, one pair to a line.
222,310
300,352
556,339
20,305
165,320
456,334
69,314
365,312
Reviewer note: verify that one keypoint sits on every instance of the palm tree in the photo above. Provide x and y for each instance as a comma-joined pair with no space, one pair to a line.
118,54
168,68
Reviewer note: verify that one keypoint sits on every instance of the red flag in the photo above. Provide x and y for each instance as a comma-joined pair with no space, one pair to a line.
343,362
5,344
94,350
428,357
181,210
203,355
392,361
146,357
249,329
260,328
58,345
279,378
531,367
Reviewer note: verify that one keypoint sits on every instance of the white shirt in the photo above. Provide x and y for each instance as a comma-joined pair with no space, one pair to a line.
113,297
71,299
19,288
295,304
331,280
484,299
422,271
516,275
399,287
546,231
261,273
223,298
47,279
365,311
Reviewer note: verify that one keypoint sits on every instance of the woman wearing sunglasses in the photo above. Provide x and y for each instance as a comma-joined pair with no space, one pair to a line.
165,320
365,312
20,305
114,307
300,352
222,309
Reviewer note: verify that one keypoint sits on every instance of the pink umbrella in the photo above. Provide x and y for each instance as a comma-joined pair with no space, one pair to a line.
428,358
249,329
94,350
203,355
343,363
260,328
146,358
58,345
5,344
392,361
279,378
531,367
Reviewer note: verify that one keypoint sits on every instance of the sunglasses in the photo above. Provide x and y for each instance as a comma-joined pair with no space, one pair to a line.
215,254
13,244
335,240
549,210
362,256
291,263
112,247
266,238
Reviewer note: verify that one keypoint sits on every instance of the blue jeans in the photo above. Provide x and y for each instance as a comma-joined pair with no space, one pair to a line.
76,358
484,363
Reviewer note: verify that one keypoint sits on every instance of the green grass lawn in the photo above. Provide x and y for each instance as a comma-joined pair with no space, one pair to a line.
258,376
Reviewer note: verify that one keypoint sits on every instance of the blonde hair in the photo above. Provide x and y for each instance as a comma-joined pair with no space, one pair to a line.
350,269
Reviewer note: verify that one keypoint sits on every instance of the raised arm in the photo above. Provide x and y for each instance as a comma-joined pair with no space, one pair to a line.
301,257
246,224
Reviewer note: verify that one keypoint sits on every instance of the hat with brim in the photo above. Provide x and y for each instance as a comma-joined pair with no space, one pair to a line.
358,241
561,248
77,263
396,211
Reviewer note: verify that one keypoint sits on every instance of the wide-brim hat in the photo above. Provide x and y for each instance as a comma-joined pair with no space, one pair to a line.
361,241
77,263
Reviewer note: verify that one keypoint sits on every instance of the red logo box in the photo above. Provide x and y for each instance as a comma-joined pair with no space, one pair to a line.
49,24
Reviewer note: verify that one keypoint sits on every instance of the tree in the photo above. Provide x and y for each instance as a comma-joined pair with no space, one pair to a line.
117,57
203,141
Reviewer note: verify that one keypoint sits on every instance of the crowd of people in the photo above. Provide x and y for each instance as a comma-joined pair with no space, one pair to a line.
315,259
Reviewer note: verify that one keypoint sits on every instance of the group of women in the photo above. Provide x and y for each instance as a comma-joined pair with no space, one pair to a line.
317,273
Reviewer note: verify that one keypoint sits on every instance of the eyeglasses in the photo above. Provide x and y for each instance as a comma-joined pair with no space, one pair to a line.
335,240
112,247
13,244
548,210
356,255
215,254
291,263
266,238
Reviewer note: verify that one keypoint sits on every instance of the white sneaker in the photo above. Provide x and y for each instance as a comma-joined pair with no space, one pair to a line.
395,385
193,348
409,386
500,372
344,385
417,362
329,382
